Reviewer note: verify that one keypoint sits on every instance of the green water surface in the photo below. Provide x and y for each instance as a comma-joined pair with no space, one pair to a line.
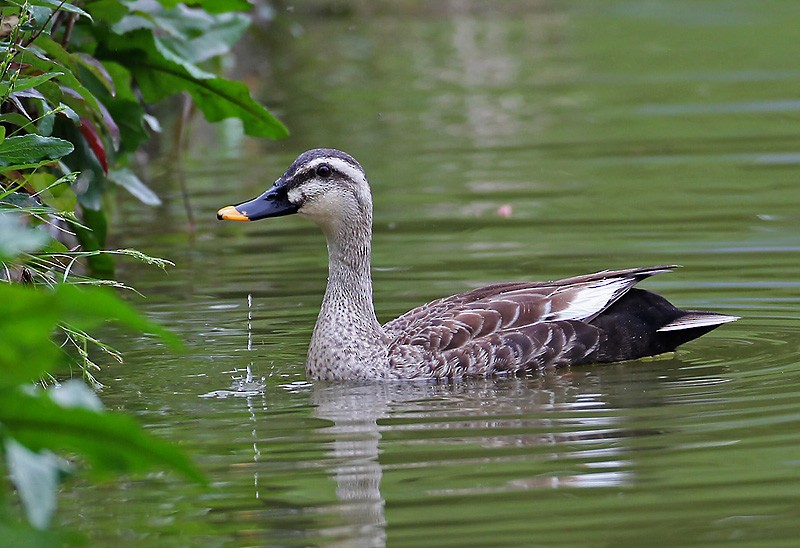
503,141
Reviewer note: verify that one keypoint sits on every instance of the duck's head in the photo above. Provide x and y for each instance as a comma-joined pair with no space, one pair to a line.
326,185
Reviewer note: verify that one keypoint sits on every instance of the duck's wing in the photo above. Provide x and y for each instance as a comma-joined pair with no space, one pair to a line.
517,304
511,326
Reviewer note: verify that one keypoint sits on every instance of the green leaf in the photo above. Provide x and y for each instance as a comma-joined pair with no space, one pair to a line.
16,200
109,11
21,84
28,317
213,41
160,74
110,442
125,108
58,60
130,182
31,150
91,182
62,6
26,351
192,35
92,237
76,88
212,6
39,15
15,118
86,308
121,78
55,193
96,69
18,534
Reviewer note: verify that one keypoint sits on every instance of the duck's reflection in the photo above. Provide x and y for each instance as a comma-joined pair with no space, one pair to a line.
354,411
561,429
487,413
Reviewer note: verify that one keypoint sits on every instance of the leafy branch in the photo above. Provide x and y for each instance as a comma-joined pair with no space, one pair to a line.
76,86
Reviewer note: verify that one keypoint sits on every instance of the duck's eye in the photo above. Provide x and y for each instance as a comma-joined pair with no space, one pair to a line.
324,170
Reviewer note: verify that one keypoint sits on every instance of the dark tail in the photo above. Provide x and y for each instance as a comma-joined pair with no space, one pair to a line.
642,323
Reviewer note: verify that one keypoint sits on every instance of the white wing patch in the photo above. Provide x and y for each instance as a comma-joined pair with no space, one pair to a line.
592,299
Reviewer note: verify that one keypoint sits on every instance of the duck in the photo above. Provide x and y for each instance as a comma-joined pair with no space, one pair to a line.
509,328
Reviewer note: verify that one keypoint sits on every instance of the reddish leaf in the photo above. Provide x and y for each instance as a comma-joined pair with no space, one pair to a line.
89,133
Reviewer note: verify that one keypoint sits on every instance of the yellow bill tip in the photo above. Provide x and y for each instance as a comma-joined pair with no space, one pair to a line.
230,213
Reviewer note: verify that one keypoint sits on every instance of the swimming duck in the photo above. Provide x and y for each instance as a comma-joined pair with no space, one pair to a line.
501,329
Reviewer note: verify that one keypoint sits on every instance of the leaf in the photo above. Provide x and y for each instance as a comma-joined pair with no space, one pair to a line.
91,182
160,74
85,68
96,68
62,6
35,475
38,16
19,106
26,351
28,93
129,115
21,84
58,60
55,193
17,200
217,40
121,81
18,534
14,118
108,11
110,442
93,238
213,6
95,143
86,308
44,127
31,150
124,107
29,315
91,134
193,35
130,182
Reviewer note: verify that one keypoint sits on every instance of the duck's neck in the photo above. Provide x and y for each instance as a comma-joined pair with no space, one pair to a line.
348,341
349,274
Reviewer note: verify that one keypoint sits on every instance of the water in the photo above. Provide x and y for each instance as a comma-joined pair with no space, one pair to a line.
537,142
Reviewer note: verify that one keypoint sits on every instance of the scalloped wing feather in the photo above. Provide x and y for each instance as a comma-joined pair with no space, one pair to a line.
512,326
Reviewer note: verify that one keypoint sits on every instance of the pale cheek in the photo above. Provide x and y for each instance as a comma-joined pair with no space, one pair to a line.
295,196
324,207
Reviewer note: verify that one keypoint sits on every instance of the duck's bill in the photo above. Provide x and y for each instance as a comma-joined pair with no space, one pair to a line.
270,204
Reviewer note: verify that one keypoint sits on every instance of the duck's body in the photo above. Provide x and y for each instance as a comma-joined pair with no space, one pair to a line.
501,329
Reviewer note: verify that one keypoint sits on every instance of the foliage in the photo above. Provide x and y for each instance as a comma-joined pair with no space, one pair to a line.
76,87
31,255
76,84
37,424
